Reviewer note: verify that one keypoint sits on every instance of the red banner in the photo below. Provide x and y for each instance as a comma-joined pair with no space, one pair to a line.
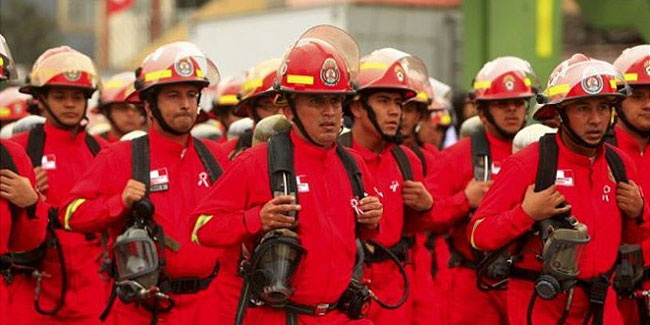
117,6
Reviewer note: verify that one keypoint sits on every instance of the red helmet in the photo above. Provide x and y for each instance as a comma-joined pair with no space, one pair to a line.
505,77
387,69
227,90
325,59
63,66
13,104
634,64
174,63
7,64
580,77
120,88
259,82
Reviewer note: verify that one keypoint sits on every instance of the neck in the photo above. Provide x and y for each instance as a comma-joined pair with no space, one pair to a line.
303,137
581,150
112,132
73,130
409,140
368,139
642,141
180,139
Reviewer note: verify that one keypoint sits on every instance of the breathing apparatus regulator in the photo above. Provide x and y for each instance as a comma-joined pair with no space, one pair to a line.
137,259
629,271
563,241
277,255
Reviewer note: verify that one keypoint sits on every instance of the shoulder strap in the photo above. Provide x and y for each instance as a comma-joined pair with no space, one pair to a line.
207,159
140,164
418,152
403,162
281,168
346,139
93,145
481,159
354,174
610,137
616,165
547,164
35,144
7,162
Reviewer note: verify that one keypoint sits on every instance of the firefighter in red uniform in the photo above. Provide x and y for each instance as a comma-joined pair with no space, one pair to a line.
427,305
565,204
24,215
376,110
226,98
315,76
180,171
502,89
257,101
119,102
632,134
62,80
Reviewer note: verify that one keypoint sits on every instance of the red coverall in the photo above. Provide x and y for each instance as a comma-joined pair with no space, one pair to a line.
628,307
24,234
99,193
591,191
429,292
229,216
447,181
385,278
65,158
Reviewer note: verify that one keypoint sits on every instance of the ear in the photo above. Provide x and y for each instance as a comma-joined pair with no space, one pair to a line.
286,110
357,109
481,112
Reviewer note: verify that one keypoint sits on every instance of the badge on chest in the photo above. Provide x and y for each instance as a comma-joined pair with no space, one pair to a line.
48,162
564,177
159,180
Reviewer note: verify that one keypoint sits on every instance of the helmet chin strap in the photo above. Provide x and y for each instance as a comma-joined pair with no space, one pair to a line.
56,119
296,120
621,115
566,125
397,138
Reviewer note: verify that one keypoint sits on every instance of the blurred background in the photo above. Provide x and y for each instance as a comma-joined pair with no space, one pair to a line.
454,37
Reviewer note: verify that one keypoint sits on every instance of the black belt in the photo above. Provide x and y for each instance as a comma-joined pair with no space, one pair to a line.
184,286
401,251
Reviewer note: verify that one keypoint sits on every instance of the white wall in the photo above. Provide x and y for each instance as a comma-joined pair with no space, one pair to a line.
237,43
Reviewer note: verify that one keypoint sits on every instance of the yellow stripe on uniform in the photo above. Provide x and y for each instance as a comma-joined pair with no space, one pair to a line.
228,100
70,210
482,84
156,75
373,66
559,89
200,222
631,77
301,80
471,238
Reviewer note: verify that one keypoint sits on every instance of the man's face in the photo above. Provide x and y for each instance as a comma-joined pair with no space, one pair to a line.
411,115
509,115
636,107
589,118
387,107
67,103
321,116
178,105
266,107
126,117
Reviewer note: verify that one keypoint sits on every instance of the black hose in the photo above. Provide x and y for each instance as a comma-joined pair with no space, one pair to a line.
402,272
64,278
